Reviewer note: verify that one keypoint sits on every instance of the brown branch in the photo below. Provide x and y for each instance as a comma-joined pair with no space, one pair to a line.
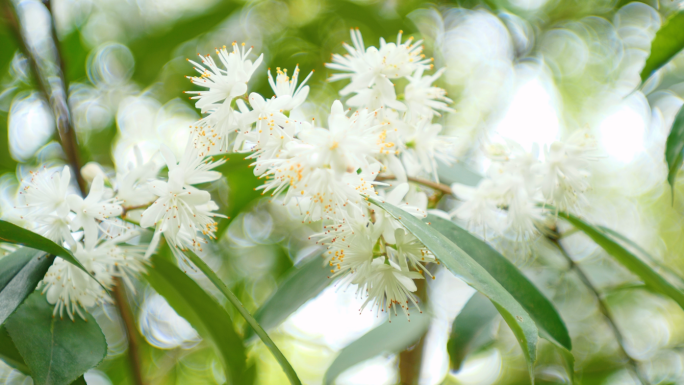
602,306
55,93
119,293
411,359
425,182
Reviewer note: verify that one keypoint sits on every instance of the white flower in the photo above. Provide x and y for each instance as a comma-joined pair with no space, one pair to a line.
131,184
178,208
54,228
109,259
565,170
192,168
284,86
70,288
223,85
381,94
424,145
268,115
422,98
345,146
364,66
45,192
480,207
350,244
388,286
409,249
92,209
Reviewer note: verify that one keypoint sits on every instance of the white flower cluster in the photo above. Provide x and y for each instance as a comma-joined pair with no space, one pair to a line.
517,182
328,172
89,228
372,145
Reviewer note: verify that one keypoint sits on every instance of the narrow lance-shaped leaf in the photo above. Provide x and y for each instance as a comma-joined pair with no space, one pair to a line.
12,233
56,351
201,310
465,267
301,284
663,268
625,258
668,41
214,278
20,273
469,330
513,280
674,149
387,338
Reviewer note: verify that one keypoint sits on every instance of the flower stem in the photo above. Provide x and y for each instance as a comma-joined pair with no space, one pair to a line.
216,280
119,293
603,308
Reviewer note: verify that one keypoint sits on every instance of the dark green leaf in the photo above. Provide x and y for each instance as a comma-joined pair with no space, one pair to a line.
301,284
80,381
465,267
265,338
12,233
626,259
9,353
202,311
20,273
674,149
56,351
390,337
469,330
668,41
537,305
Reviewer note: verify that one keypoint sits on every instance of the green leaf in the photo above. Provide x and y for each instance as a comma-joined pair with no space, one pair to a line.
201,310
469,330
11,233
80,381
390,337
674,149
20,273
466,268
458,173
662,267
625,258
56,351
566,354
301,284
537,305
284,363
668,41
9,353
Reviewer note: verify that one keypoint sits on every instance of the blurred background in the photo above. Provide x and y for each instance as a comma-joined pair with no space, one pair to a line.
529,70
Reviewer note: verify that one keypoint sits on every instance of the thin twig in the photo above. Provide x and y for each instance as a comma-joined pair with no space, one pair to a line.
425,182
602,306
55,93
119,293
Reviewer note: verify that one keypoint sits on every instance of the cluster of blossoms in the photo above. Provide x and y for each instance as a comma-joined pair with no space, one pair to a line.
376,144
370,146
509,199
